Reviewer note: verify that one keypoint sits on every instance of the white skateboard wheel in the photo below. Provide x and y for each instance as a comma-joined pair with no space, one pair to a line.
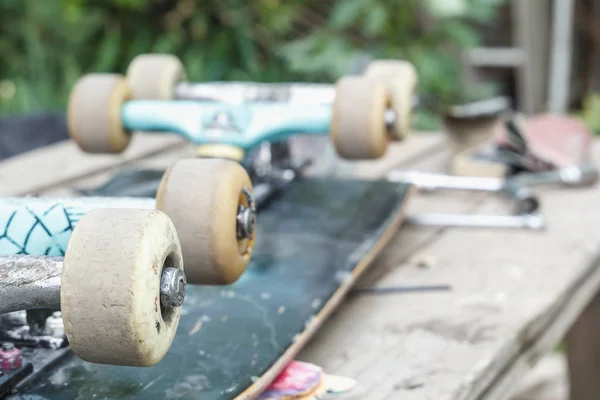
110,287
155,76
358,128
94,113
401,80
203,198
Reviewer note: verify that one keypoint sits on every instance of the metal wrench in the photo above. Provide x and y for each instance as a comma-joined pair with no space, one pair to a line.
517,188
525,201
572,176
567,176
524,221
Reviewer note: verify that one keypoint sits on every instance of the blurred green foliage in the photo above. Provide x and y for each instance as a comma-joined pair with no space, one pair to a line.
590,113
46,45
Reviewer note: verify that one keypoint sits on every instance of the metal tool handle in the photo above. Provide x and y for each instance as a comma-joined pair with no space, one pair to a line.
569,176
574,176
527,221
525,201
430,181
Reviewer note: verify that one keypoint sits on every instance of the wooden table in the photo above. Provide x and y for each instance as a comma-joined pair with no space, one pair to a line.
515,294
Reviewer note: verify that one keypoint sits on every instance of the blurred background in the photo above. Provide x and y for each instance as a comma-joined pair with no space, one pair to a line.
463,49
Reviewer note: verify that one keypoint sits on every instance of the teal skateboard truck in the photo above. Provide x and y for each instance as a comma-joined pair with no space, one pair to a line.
209,201
364,113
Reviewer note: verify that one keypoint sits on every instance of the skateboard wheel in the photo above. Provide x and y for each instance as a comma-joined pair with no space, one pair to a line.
358,128
94,113
210,203
401,80
111,287
155,76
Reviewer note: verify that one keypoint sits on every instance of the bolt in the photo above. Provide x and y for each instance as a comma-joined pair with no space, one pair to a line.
245,223
246,217
390,119
172,287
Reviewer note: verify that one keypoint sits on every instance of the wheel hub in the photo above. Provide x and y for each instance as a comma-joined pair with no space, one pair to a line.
172,287
246,216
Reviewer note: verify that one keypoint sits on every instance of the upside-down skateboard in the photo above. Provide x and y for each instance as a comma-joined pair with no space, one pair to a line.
317,237
312,242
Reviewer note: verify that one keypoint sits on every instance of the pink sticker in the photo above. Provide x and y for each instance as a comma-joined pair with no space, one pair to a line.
297,378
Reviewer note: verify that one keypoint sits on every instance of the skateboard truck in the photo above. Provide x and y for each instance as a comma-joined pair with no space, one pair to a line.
272,170
33,282
516,188
228,121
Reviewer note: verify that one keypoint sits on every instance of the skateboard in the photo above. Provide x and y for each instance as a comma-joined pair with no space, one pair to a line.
232,342
317,234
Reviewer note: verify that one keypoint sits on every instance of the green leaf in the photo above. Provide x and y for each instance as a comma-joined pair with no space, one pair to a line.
108,51
460,34
375,20
345,13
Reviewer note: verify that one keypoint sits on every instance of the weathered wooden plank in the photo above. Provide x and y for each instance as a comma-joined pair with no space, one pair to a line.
158,161
64,162
583,353
406,154
546,381
514,295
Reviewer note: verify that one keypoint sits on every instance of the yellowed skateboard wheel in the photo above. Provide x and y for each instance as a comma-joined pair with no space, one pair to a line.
110,287
358,128
401,80
155,76
203,198
94,113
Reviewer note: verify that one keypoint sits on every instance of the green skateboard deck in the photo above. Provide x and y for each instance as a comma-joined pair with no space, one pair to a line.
313,241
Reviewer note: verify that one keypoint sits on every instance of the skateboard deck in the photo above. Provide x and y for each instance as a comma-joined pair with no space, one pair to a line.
313,241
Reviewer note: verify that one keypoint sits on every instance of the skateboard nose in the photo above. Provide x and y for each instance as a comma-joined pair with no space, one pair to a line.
172,287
